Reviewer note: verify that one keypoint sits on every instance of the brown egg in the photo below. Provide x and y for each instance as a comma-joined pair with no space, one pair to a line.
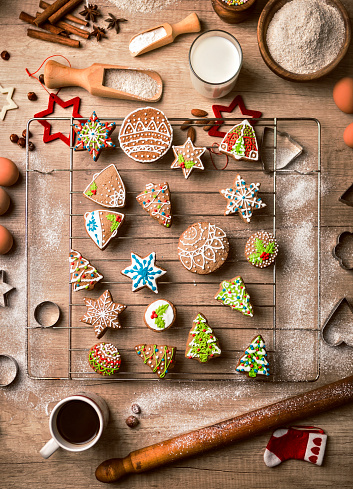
343,95
348,135
4,201
6,240
8,172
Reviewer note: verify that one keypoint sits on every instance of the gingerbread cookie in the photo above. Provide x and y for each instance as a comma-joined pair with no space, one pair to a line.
106,188
102,313
104,358
83,275
94,136
202,343
102,226
242,198
160,315
203,248
261,249
240,142
155,199
160,358
233,293
146,135
143,272
188,157
254,361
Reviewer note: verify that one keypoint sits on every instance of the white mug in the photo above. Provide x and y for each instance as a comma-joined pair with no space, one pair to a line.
59,423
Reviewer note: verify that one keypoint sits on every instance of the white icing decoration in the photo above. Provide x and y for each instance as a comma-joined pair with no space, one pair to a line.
168,316
201,319
108,351
94,227
157,213
102,313
80,266
263,363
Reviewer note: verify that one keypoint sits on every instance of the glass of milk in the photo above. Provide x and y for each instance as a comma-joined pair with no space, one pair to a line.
215,60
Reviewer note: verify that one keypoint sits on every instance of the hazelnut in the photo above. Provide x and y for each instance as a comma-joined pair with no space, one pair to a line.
135,408
21,142
132,421
5,55
41,78
14,138
32,96
31,146
24,132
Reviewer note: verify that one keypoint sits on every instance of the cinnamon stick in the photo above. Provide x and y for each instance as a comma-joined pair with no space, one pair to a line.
43,36
72,29
70,5
70,17
29,19
49,11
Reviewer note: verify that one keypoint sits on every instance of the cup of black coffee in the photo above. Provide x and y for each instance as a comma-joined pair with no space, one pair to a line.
76,423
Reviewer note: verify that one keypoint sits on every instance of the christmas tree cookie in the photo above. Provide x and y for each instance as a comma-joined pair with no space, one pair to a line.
104,358
233,293
202,343
155,199
160,358
188,157
160,315
261,249
106,188
94,136
240,143
83,275
143,272
102,226
254,361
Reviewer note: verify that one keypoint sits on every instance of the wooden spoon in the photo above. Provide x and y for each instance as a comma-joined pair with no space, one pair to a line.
191,23
57,75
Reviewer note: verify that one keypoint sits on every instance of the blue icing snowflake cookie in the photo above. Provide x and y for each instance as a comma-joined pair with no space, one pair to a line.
143,272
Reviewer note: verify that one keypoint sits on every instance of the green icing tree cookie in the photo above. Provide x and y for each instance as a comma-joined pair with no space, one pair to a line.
202,343
233,293
254,361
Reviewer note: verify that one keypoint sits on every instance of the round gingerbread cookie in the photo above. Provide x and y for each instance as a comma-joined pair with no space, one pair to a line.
203,248
104,358
261,249
160,315
145,135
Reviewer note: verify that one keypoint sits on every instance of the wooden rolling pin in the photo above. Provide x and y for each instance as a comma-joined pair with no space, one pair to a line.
219,435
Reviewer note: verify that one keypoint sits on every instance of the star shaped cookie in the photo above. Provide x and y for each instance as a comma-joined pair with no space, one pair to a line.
102,313
94,136
242,198
143,272
4,289
188,157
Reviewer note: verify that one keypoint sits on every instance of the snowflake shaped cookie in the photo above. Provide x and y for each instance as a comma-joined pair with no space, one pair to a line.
242,198
102,313
143,272
94,136
188,157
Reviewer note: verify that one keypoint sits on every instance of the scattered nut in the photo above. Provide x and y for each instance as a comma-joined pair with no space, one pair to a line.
41,78
5,55
191,134
185,125
21,142
199,113
32,96
14,138
31,146
201,122
24,132
135,408
132,421
208,127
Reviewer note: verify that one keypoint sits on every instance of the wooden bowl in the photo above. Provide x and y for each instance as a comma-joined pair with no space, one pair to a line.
233,14
265,18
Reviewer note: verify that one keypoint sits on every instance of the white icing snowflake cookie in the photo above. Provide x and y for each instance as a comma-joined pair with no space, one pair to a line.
160,315
143,272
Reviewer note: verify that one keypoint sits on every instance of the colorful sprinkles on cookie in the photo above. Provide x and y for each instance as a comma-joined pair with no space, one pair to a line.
242,198
254,362
160,358
202,343
188,157
104,358
155,199
94,136
233,293
240,142
106,188
143,272
261,249
83,275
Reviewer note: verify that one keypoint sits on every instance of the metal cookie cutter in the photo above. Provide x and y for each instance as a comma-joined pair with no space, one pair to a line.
287,150
328,327
47,314
8,370
347,196
343,250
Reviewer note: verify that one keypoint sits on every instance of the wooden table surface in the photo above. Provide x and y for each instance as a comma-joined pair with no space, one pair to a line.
168,408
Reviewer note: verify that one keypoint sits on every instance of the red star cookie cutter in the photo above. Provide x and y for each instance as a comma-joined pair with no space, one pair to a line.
218,109
54,99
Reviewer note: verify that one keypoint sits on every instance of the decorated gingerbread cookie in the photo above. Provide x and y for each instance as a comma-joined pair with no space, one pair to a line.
188,157
254,361
94,136
155,199
261,249
242,198
104,358
146,135
102,226
202,343
106,188
203,248
160,315
102,313
143,272
233,293
83,275
160,358
240,142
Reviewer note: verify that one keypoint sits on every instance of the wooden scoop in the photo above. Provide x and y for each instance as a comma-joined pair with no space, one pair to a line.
219,435
57,75
191,23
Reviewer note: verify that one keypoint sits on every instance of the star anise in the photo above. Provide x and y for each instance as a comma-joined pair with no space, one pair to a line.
113,22
90,12
98,32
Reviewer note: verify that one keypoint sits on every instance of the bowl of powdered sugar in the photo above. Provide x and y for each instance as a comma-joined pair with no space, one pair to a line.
303,40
